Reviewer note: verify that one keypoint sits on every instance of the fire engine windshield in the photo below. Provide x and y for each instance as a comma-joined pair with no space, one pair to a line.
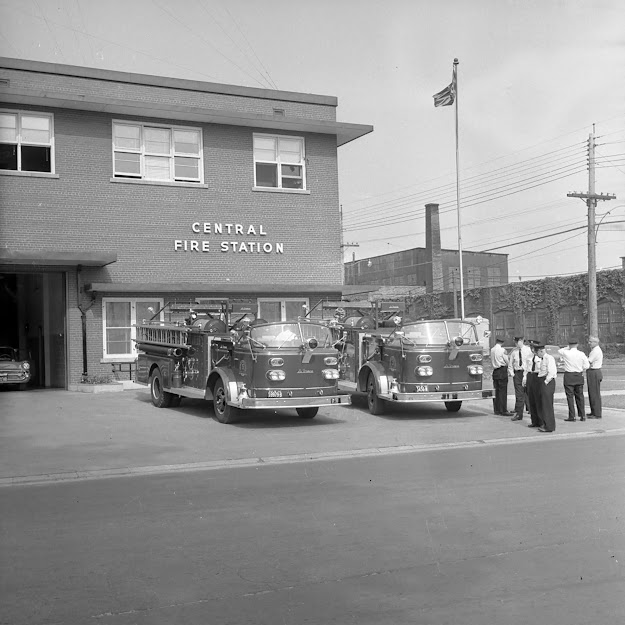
278,335
439,332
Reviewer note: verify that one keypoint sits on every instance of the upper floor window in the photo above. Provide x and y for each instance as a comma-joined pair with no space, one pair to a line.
153,152
279,162
474,279
26,141
494,276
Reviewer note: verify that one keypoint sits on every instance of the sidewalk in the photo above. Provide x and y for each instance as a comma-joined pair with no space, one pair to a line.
56,435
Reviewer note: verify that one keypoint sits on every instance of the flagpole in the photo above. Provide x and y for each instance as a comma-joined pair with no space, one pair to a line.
458,196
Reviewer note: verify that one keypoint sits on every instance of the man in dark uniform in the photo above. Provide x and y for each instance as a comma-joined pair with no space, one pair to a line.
499,360
530,381
547,382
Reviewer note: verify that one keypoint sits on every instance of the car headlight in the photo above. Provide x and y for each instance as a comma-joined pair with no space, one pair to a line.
475,369
330,374
26,366
276,375
424,371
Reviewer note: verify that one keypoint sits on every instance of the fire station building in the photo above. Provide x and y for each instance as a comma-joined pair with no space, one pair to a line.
122,192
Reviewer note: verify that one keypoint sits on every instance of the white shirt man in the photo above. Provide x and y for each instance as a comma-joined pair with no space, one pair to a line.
516,370
594,376
500,361
575,363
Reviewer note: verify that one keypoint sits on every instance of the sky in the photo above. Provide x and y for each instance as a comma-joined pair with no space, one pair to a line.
534,78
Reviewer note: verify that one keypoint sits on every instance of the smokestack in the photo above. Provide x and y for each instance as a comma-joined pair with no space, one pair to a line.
433,252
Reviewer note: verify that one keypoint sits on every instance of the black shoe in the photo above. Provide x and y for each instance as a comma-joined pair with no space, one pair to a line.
590,415
582,418
516,418
543,429
531,425
570,419
507,413
498,414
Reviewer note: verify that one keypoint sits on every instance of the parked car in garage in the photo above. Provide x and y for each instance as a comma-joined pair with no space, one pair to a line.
14,370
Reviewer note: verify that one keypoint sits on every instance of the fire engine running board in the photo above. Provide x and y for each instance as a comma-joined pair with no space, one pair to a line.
450,396
194,393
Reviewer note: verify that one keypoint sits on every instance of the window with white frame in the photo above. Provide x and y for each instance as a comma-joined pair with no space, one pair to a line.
26,141
119,316
279,162
155,152
278,309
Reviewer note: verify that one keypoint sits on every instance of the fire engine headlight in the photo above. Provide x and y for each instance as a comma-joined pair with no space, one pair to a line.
276,375
459,341
276,362
424,371
26,366
476,357
330,374
425,358
331,360
475,369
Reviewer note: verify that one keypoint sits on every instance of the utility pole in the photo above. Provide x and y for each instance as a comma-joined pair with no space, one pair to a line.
591,201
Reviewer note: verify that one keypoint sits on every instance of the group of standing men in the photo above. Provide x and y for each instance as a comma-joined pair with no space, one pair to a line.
534,373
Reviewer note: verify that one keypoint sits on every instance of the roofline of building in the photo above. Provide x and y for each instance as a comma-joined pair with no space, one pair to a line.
167,82
212,288
349,262
344,132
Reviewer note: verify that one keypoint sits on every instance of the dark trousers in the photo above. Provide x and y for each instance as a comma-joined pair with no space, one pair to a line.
534,398
594,377
574,389
519,393
500,384
546,404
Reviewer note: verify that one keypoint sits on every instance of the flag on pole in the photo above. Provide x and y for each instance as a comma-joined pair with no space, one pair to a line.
447,96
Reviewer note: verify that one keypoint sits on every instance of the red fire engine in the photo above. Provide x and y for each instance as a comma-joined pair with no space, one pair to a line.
287,364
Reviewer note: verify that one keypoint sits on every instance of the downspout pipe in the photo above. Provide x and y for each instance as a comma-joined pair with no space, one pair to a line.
83,319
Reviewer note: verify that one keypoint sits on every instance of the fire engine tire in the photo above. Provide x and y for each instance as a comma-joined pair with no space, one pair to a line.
307,413
175,400
453,406
376,404
223,412
160,398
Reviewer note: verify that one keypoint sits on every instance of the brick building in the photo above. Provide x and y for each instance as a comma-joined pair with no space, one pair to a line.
121,192
431,267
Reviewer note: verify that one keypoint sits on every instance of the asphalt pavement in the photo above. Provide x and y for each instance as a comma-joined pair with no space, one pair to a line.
58,435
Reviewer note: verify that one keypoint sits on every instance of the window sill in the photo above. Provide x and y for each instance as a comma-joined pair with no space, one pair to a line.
159,183
28,174
275,190
123,360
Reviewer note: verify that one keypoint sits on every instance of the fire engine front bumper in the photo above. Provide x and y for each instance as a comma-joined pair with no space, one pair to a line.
450,396
343,399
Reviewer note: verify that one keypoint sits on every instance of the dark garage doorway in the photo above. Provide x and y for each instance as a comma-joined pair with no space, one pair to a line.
32,318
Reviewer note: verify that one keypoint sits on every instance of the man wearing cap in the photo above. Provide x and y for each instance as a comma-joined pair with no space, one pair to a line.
575,363
594,377
532,385
500,363
547,382
516,370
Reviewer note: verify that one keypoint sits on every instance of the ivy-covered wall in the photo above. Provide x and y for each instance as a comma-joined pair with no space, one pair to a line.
550,295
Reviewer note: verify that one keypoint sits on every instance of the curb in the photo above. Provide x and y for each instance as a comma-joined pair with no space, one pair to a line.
78,476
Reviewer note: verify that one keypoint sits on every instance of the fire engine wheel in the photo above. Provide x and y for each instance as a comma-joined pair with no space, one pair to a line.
376,405
223,412
453,406
307,413
160,398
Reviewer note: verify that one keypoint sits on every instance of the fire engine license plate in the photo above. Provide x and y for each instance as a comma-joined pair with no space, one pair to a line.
422,388
274,393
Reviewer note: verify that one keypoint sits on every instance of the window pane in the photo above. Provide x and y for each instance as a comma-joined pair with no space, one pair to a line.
264,149
266,175
187,142
291,183
269,311
127,137
35,158
8,128
186,167
117,314
118,341
8,157
291,150
294,309
35,129
157,140
127,164
157,168
294,171
144,313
